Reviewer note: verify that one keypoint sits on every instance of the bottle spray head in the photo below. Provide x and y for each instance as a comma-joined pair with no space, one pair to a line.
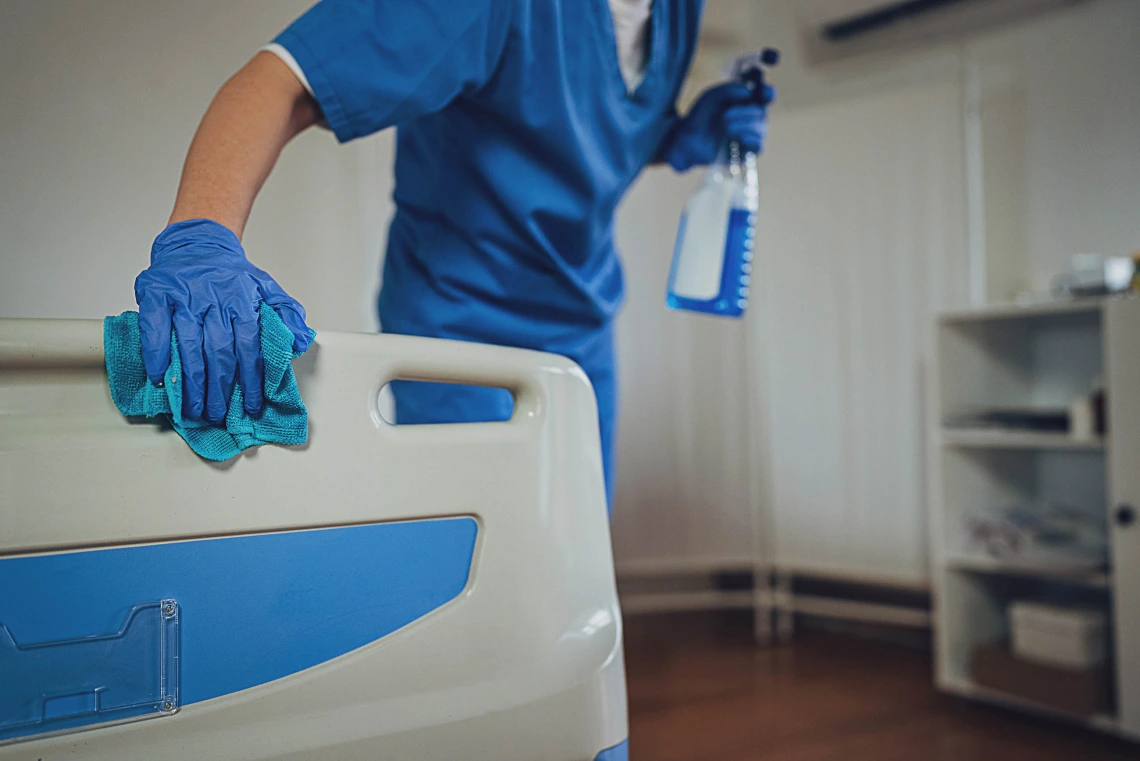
750,69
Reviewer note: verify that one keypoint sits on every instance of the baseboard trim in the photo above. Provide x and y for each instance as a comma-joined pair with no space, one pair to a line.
777,595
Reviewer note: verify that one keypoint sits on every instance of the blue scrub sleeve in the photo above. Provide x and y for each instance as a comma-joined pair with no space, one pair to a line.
374,64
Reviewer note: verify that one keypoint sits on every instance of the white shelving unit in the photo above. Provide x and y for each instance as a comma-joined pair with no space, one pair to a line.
1042,356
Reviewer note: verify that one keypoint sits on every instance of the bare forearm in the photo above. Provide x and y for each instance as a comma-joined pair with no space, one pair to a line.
250,121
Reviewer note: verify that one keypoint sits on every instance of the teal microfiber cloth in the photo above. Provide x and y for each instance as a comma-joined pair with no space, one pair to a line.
283,420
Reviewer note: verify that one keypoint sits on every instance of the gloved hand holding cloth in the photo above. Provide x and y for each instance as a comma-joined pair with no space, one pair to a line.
200,283
211,346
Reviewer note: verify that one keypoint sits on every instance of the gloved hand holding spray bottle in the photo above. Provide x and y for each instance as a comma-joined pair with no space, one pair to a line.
712,260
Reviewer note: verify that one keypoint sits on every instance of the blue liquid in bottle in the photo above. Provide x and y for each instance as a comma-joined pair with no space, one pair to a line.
712,261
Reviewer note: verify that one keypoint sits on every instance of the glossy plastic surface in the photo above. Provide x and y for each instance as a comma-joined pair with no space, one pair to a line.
525,663
617,753
255,608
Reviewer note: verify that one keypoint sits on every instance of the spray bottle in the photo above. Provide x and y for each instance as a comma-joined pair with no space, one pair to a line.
712,259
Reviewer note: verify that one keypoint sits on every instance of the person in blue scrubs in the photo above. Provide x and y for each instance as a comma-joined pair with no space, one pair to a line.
517,137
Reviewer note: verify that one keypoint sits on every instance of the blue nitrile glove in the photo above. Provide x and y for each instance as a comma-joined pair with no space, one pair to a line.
727,111
200,280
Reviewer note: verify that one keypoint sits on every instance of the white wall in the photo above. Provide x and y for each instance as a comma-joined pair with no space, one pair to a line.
1061,132
100,100
1061,124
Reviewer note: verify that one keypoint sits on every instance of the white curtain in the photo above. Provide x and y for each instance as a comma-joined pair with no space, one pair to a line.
683,472
862,242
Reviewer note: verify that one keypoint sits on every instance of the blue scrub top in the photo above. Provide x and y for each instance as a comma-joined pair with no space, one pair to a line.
517,139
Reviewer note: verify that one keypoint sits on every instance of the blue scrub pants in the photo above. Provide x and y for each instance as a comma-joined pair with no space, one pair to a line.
423,403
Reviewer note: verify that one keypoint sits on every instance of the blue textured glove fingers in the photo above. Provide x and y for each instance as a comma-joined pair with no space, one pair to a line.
767,96
221,363
154,325
697,138
293,315
748,125
247,341
713,101
200,280
290,312
730,110
193,380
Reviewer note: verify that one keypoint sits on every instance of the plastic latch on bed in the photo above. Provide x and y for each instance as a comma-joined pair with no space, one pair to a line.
85,682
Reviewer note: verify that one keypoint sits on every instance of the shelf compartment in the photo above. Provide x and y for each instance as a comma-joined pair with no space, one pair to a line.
1077,575
1039,363
997,438
1034,311
977,480
973,609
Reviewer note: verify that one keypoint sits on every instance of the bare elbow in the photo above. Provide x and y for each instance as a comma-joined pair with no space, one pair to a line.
268,79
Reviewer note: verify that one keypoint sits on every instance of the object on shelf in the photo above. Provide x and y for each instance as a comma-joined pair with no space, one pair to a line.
1044,535
1083,692
1095,275
1015,419
1082,419
1055,635
1087,414
1100,407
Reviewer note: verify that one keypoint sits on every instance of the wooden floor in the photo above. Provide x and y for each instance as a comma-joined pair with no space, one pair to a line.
700,689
